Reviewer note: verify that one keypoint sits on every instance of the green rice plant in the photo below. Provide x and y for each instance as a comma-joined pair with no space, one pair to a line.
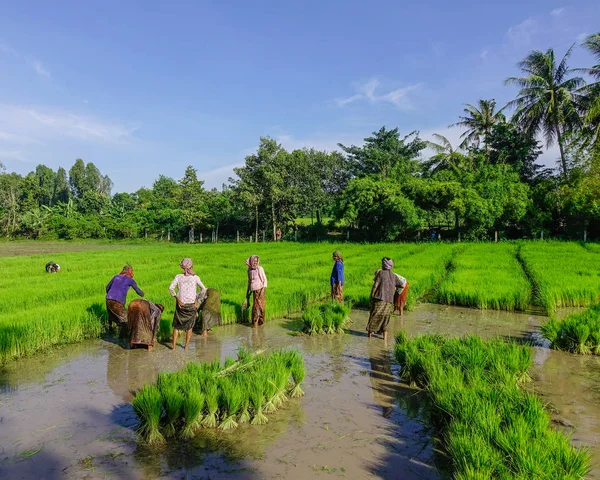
173,401
193,406
271,396
296,367
281,376
577,333
211,393
488,425
256,392
231,402
165,330
148,406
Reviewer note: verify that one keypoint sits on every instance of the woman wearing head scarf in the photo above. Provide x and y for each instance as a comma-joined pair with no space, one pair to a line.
400,295
257,283
116,295
337,277
385,285
186,308
143,318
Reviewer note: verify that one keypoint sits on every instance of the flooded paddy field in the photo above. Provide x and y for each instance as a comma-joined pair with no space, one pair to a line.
68,414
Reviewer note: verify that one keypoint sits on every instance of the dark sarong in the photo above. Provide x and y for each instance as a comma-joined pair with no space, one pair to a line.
185,316
211,310
400,299
337,292
116,312
380,316
142,324
258,307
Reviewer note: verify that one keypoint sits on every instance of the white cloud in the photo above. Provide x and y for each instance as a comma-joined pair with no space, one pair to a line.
9,137
582,36
484,53
367,92
8,51
39,68
219,176
557,12
12,155
521,35
36,124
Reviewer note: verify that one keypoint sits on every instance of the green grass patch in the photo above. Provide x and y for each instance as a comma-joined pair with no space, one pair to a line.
489,426
578,333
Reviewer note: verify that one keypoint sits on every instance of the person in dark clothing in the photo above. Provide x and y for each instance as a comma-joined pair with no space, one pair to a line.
385,285
116,296
52,267
337,277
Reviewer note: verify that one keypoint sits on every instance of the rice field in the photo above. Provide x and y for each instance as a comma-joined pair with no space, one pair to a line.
39,311
578,333
208,395
486,276
325,319
565,274
489,426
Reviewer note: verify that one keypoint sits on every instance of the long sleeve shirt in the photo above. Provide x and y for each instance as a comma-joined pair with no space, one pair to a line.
337,274
256,279
386,283
118,287
186,286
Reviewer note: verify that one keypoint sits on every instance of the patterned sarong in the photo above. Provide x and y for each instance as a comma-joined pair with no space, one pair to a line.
380,316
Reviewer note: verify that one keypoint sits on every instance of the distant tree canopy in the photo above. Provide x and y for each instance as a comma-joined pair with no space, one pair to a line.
389,188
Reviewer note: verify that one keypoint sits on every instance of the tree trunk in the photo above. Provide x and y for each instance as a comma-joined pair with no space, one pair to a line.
563,160
191,235
318,216
217,234
238,236
256,231
274,221
168,235
585,234
542,235
457,225
496,236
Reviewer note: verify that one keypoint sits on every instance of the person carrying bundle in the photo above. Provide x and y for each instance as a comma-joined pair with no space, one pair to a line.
385,284
257,284
186,307
143,318
210,308
116,295
52,267
337,277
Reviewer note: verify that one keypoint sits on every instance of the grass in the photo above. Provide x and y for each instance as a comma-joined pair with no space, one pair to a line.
325,319
486,276
566,274
209,395
578,333
489,426
47,310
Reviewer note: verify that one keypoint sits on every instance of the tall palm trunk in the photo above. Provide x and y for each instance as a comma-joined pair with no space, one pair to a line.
562,150
256,232
274,220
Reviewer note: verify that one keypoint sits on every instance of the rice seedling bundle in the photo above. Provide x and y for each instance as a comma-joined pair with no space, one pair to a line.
488,424
209,395
325,319
565,274
578,333
486,276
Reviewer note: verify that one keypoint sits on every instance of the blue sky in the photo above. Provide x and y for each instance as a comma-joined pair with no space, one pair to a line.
143,88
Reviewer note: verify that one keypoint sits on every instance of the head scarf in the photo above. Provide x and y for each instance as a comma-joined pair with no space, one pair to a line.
250,261
337,254
187,266
127,271
387,264
57,267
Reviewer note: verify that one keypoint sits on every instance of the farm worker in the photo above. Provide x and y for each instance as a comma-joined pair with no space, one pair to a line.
52,267
143,318
382,297
278,233
257,284
186,307
116,294
337,277
400,295
210,306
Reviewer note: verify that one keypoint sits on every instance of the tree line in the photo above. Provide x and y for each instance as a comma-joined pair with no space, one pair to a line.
392,187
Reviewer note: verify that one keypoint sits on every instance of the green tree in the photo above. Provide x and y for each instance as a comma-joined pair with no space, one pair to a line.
191,200
546,101
591,93
61,187
77,178
446,156
478,122
46,178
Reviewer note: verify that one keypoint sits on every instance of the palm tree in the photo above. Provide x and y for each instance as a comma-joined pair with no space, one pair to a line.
478,122
547,100
591,93
446,157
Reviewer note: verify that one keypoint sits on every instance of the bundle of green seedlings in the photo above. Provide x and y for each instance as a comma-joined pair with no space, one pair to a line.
328,318
208,395
578,333
489,426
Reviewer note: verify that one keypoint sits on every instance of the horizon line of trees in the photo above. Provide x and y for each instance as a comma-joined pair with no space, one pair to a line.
387,189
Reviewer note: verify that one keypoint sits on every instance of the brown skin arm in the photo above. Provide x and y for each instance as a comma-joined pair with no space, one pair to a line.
375,285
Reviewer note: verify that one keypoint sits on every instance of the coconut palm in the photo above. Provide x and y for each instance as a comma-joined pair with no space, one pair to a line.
446,157
478,122
547,101
591,93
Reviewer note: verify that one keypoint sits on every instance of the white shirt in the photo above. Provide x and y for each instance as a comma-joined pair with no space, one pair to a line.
186,286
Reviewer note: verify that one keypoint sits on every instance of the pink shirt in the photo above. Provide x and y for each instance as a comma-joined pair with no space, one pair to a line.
257,278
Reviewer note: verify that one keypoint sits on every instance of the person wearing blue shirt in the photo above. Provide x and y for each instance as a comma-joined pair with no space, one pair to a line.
337,277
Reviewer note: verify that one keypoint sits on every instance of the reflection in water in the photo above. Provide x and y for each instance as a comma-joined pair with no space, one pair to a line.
382,377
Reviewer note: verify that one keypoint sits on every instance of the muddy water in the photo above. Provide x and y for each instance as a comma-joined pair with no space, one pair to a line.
67,414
